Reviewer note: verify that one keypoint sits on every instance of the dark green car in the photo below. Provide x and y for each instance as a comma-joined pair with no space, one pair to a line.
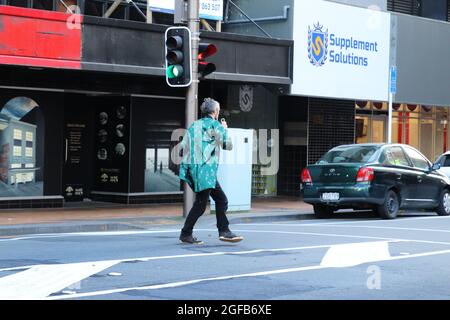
382,177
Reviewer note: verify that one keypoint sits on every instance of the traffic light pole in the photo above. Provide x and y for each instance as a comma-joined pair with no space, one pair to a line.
192,90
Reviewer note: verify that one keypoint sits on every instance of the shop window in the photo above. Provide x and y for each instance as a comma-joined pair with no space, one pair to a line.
26,122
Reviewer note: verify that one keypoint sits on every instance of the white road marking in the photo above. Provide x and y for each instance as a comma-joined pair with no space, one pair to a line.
86,234
337,222
128,233
393,228
348,236
40,281
319,234
247,275
348,226
353,254
183,283
193,255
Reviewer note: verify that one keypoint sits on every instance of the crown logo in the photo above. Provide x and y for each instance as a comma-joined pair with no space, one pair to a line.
318,27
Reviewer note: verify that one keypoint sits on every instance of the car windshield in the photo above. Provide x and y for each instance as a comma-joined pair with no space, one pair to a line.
350,154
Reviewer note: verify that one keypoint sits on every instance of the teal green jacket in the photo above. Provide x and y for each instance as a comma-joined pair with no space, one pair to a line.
200,147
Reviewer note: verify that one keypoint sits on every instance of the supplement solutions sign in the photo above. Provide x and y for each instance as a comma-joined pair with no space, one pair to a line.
340,51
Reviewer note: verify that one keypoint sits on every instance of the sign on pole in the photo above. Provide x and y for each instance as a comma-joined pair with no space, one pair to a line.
393,80
209,9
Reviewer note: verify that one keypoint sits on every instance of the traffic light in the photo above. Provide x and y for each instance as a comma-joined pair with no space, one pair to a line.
205,50
178,57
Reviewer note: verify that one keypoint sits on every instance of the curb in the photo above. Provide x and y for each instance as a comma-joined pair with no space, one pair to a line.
135,224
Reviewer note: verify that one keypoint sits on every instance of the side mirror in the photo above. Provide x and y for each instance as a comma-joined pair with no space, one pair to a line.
436,167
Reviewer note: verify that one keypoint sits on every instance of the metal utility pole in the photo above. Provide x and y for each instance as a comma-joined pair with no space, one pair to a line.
192,91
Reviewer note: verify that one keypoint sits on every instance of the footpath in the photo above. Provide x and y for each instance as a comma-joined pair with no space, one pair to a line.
97,216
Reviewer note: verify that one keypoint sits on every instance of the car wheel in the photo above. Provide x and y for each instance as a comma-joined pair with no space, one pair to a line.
389,209
443,208
322,211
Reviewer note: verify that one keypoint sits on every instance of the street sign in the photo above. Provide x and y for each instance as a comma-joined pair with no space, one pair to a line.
209,9
393,80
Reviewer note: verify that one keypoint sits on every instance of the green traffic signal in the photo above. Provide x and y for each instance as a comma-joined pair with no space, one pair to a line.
178,66
174,71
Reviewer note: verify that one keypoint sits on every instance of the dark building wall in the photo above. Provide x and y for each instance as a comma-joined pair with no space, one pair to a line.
434,9
331,123
422,54
132,47
263,114
273,13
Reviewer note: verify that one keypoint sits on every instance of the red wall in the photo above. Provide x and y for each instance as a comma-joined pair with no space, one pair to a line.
39,38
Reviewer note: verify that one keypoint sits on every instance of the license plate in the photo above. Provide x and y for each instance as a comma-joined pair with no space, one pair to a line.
330,196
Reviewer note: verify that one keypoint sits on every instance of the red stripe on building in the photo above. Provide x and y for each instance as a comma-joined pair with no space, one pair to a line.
40,38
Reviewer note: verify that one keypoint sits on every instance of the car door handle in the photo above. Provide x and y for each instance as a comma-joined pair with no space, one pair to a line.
419,179
398,176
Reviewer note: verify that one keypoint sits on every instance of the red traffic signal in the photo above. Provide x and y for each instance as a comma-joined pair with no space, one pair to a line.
206,50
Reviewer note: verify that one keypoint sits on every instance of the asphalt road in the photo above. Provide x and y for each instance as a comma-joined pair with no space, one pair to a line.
350,257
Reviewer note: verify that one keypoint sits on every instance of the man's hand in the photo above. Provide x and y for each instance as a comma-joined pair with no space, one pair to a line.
224,123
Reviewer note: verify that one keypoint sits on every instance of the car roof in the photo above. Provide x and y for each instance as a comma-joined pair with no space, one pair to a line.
368,145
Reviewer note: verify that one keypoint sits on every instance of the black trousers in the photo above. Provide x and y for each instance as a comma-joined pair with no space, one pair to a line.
199,207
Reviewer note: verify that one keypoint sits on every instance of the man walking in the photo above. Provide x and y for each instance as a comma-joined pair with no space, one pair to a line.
199,169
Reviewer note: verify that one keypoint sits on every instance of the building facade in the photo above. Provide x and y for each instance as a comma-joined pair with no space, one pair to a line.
102,112
340,94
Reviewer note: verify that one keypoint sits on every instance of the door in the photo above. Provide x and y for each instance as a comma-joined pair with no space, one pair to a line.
77,142
429,184
398,171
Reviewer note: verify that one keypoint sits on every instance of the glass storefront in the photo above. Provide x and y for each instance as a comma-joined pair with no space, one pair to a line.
423,127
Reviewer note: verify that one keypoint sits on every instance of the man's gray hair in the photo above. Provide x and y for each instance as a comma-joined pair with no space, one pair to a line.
209,106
